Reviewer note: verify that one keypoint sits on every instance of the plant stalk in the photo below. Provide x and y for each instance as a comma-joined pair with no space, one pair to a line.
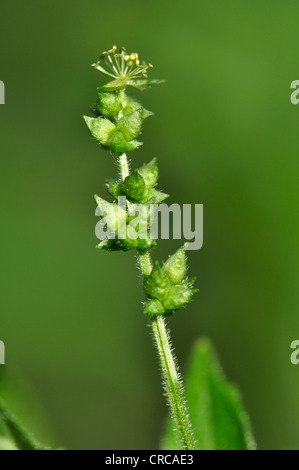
171,378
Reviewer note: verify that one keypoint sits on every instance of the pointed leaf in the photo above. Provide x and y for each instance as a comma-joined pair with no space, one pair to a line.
215,407
114,85
144,83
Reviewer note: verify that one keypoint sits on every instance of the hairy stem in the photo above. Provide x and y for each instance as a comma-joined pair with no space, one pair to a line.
172,383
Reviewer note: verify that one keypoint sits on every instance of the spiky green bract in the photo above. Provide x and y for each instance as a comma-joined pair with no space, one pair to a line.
115,219
166,287
139,185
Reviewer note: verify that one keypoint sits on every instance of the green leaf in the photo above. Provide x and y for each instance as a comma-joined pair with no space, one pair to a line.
114,85
120,84
23,440
144,83
215,407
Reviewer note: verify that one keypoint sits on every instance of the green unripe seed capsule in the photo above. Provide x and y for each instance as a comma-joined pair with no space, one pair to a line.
109,104
176,266
134,186
119,144
130,126
158,284
150,173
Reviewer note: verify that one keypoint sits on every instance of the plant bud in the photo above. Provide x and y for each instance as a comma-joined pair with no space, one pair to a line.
109,104
176,266
158,284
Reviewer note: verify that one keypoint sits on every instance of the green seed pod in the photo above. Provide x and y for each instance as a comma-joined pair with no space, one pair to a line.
119,144
150,173
179,295
153,308
130,126
158,284
109,104
134,186
176,266
101,129
114,188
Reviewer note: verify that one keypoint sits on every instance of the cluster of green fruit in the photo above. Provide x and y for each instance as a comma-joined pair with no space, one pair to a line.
167,288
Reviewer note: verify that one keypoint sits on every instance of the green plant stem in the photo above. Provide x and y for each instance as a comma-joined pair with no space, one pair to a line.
171,378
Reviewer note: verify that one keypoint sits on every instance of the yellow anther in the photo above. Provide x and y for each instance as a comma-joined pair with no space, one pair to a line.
137,62
114,48
130,63
136,55
132,57
127,57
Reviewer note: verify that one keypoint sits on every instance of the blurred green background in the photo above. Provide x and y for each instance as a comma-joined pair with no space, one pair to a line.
226,135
